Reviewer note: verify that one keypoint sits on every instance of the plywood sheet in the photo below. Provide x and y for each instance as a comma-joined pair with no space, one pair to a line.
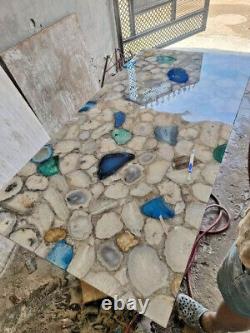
51,69
21,134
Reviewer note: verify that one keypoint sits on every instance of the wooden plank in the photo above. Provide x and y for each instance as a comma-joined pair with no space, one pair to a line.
21,134
51,69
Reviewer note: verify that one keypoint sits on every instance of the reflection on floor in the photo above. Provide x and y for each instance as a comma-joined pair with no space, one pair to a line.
111,199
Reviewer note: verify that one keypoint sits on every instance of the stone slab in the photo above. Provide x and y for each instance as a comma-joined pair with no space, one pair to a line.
51,69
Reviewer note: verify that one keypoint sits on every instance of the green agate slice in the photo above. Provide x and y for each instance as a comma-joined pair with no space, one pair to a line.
49,167
121,136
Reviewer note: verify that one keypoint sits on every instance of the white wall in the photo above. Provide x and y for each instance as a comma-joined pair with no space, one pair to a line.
95,16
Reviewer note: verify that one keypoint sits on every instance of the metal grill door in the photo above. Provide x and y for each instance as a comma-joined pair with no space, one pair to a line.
143,24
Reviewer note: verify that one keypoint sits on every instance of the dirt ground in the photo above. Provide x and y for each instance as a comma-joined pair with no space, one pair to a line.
38,297
228,28
233,17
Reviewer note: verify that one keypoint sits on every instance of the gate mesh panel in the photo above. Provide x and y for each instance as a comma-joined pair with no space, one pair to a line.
155,23
142,4
124,18
153,18
184,7
166,35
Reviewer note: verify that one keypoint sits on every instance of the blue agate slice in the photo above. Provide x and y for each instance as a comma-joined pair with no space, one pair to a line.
110,163
43,155
61,254
167,134
88,106
120,118
178,75
157,207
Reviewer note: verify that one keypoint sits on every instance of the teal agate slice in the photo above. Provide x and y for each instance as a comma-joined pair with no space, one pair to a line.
121,136
165,59
49,167
219,152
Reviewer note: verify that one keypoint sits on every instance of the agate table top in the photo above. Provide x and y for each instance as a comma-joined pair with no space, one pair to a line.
110,198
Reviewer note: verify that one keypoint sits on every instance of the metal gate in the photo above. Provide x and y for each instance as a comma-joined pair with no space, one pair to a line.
143,24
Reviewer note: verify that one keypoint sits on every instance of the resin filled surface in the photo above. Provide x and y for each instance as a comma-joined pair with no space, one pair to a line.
93,208
213,92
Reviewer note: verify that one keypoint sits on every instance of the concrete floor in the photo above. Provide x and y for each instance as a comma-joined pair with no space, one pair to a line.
228,28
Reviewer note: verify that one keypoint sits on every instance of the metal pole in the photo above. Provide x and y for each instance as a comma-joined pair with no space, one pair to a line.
118,25
206,9
173,10
132,17
105,70
116,61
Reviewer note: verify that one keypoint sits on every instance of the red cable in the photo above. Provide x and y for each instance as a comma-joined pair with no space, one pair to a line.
203,233
129,328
